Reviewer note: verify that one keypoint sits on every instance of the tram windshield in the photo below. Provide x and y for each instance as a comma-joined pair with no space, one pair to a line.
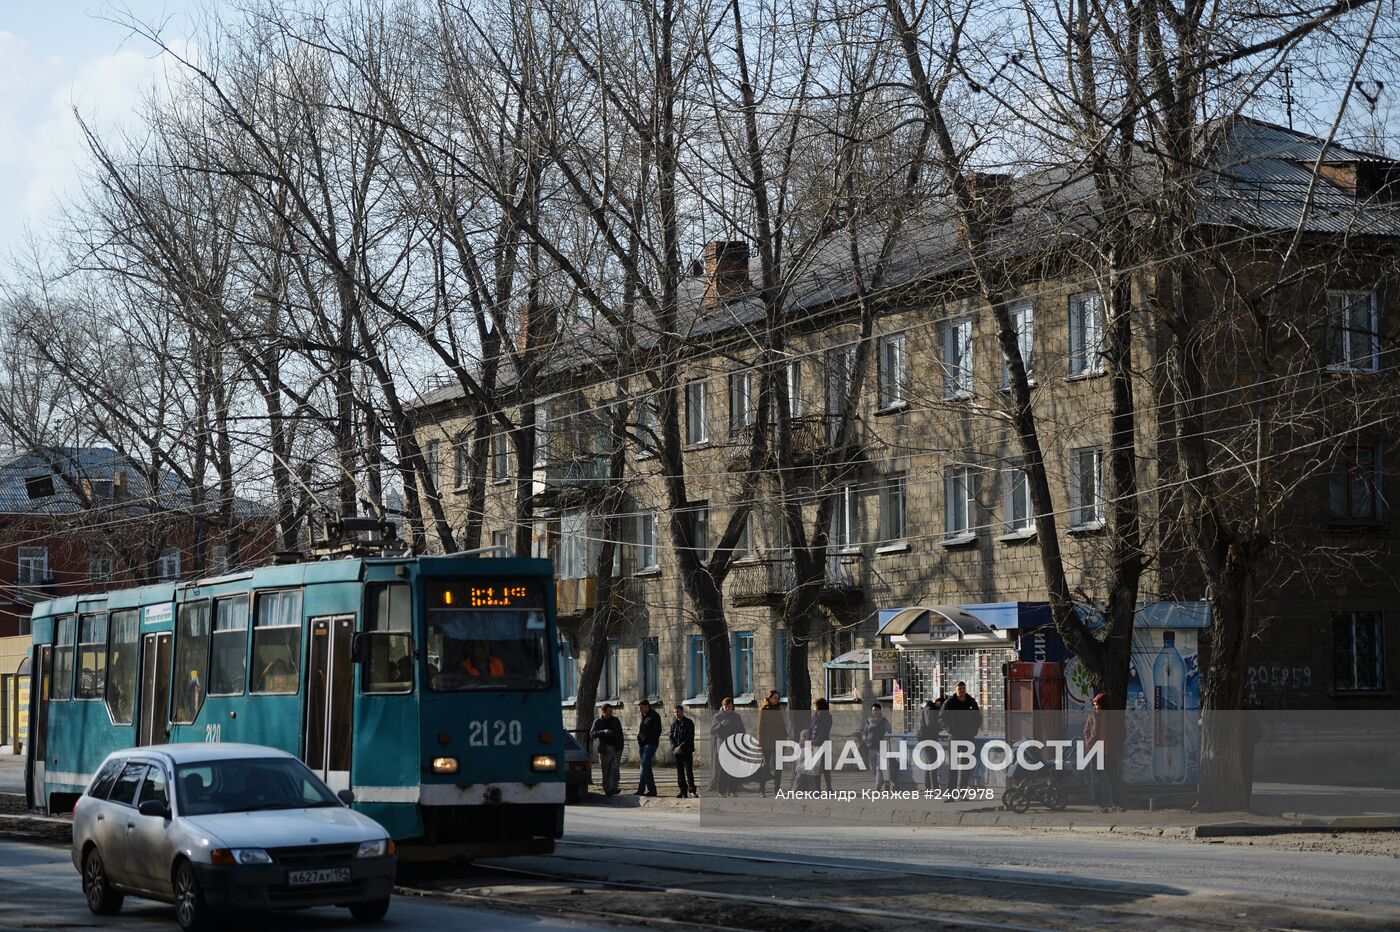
485,636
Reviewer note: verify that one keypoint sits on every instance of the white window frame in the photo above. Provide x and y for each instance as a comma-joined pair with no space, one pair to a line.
578,546
500,457
434,462
958,503
697,413
649,669
644,415
542,436
840,368
33,566
168,565
1023,319
218,559
741,408
894,504
845,519
500,539
1346,356
697,670
698,513
101,568
1086,463
743,665
894,371
1085,334
647,551
956,343
1017,492
610,683
793,373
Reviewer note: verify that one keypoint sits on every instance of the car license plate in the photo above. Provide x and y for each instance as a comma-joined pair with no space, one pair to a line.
325,875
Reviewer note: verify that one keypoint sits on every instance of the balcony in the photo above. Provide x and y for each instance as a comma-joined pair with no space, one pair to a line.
578,597
811,442
574,480
767,582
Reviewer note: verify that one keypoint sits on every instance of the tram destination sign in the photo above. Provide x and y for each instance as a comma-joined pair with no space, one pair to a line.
507,593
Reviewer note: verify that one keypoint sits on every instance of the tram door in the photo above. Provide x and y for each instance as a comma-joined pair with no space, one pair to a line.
330,700
155,689
39,722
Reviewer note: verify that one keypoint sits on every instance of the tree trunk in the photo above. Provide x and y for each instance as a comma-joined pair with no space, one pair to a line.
1222,785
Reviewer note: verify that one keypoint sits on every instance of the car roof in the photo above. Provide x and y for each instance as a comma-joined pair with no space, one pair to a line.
200,752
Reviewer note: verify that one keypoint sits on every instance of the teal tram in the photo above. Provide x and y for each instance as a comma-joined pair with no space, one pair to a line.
425,685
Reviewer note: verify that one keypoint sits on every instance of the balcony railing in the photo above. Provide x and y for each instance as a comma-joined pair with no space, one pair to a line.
768,581
580,596
812,438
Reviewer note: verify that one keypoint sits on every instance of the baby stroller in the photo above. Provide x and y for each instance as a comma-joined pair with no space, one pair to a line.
1025,786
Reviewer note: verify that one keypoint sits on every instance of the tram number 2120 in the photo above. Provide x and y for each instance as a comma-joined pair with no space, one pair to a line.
485,734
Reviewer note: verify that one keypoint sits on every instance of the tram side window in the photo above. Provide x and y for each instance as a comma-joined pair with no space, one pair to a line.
277,627
388,661
191,662
229,665
92,656
63,631
125,630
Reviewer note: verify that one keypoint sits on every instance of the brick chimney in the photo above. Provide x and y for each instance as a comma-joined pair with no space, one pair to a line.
541,330
991,198
726,270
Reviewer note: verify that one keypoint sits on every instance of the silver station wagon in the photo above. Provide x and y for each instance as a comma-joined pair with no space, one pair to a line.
213,827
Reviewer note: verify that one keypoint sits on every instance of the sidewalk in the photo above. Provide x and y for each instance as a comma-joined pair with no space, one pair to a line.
1278,809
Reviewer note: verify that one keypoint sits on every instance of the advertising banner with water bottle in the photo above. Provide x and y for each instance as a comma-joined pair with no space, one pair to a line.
1162,744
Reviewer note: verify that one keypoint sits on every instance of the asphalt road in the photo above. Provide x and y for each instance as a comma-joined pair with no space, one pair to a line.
39,889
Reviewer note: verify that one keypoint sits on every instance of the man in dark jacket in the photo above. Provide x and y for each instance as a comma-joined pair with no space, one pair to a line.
725,723
872,738
607,731
963,719
683,744
819,732
648,740
930,727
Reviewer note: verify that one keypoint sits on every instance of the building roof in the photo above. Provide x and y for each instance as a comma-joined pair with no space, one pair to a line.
1258,177
71,480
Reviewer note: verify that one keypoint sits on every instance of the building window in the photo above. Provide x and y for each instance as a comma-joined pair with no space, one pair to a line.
697,417
743,664
957,357
894,371
1086,334
645,415
647,553
740,401
168,566
781,661
1356,489
892,498
100,568
793,372
845,518
697,514
228,669
1358,653
1353,338
434,462
1086,503
500,457
568,673
33,566
461,462
697,674
578,546
218,559
649,669
92,656
611,686
743,546
502,539
542,436
1016,510
840,369
957,502
1023,319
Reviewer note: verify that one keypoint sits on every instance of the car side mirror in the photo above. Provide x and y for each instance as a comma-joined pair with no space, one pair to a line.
154,808
345,796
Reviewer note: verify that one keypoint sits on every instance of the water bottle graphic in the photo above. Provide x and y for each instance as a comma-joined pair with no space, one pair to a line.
1168,745
1137,727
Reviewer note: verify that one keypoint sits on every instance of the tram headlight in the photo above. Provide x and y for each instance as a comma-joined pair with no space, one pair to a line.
444,765
544,763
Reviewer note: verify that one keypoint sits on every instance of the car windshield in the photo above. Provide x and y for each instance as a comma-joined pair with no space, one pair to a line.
253,784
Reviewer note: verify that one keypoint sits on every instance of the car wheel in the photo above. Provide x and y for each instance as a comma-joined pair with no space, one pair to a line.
101,898
370,911
190,909
1054,798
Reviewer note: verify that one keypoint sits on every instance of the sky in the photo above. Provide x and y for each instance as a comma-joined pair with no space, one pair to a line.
56,56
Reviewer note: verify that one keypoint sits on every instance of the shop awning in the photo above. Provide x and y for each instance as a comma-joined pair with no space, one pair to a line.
858,659
935,623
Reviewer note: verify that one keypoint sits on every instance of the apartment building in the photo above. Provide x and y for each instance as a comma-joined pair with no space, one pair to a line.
934,509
